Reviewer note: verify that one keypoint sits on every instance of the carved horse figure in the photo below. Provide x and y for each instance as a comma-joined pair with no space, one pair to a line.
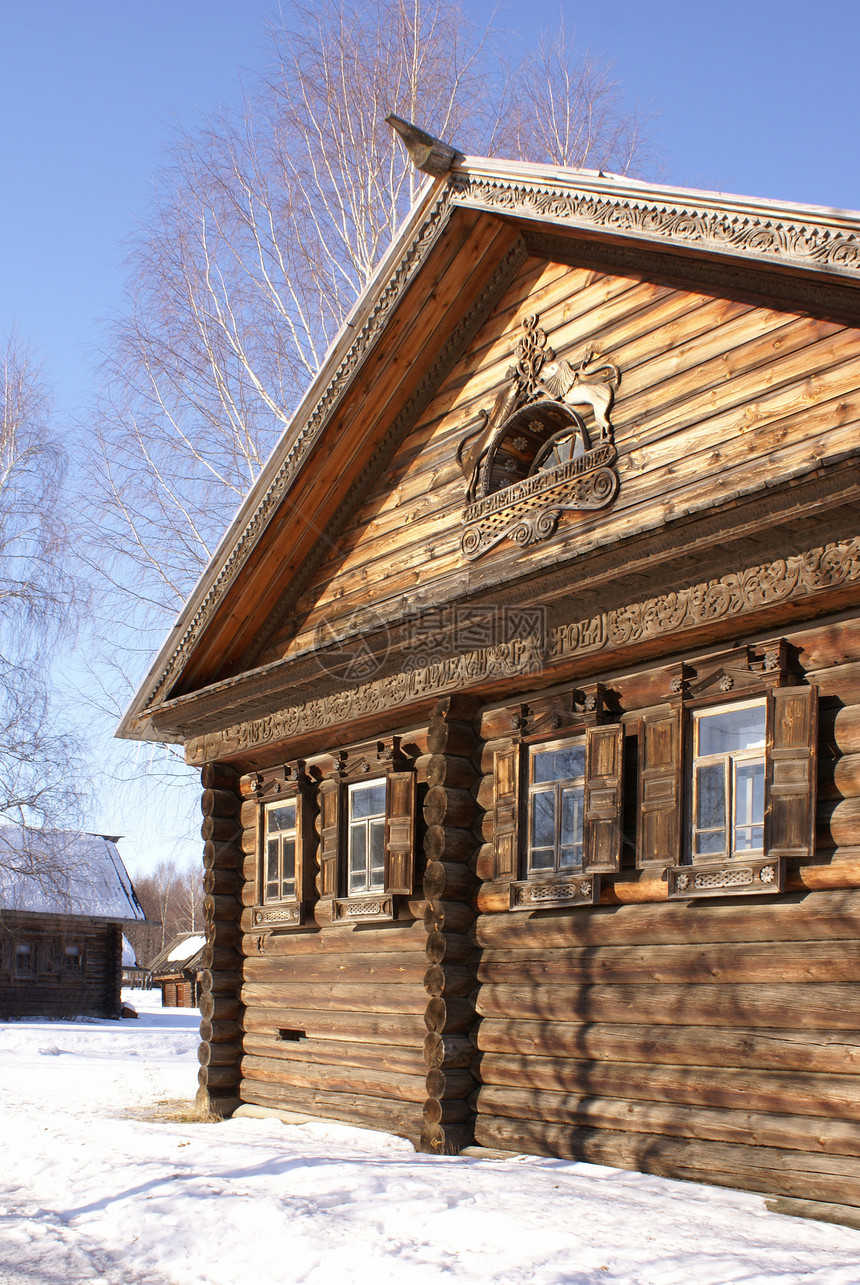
591,382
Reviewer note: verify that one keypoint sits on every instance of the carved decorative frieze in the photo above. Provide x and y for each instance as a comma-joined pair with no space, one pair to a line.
361,908
697,222
736,878
575,890
283,916
827,567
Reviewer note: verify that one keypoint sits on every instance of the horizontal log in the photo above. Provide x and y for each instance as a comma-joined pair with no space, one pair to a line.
219,776
222,882
821,916
449,807
842,820
220,829
448,917
449,980
220,983
359,1028
451,738
224,933
741,962
218,1054
450,770
221,906
785,1050
844,729
772,1169
248,842
839,778
485,863
390,1116
218,1077
443,843
452,947
794,1093
449,1083
220,959
377,1057
218,855
449,1111
220,1007
446,1139
341,939
758,1128
335,1079
404,1000
449,1016
219,803
218,1031
815,1007
447,1050
447,881
357,970
842,872
249,814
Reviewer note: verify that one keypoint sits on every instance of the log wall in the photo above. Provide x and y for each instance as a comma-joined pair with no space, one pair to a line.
51,990
716,1041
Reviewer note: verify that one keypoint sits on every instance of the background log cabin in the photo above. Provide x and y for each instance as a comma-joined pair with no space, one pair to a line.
64,899
525,689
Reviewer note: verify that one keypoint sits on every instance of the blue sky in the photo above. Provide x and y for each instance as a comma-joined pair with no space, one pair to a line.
758,98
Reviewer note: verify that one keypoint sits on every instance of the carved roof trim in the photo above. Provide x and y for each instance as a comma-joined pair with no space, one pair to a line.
811,238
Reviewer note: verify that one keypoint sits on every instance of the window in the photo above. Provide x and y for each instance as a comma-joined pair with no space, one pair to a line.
25,959
729,745
280,847
366,838
556,808
73,959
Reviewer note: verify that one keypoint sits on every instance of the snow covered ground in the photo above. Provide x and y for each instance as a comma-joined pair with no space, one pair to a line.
93,1191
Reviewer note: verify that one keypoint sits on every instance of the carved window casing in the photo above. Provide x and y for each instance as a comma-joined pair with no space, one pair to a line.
285,836
558,801
367,805
727,775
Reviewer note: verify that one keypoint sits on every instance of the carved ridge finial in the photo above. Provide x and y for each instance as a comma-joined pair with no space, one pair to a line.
427,153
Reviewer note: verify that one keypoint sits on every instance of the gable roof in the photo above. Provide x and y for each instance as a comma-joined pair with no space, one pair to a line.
65,872
184,951
810,255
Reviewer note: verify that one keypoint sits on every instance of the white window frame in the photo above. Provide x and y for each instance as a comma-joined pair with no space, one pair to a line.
556,788
373,880
279,836
730,759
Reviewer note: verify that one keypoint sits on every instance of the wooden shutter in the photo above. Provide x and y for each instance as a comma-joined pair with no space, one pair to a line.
330,805
400,833
604,774
506,828
661,761
792,730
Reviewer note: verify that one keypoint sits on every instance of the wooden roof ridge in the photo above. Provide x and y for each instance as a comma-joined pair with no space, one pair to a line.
808,241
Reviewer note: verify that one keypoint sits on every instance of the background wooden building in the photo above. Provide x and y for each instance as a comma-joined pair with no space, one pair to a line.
526,692
177,970
64,898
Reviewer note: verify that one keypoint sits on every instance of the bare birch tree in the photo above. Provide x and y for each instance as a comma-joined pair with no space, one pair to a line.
267,223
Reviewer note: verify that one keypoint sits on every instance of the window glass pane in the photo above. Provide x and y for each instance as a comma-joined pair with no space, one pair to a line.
288,868
542,859
564,764
367,800
543,819
749,793
377,854
281,818
711,797
272,859
730,730
570,859
357,857
572,802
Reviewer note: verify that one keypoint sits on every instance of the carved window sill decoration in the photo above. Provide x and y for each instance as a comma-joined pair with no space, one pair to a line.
728,879
572,890
531,457
289,916
360,909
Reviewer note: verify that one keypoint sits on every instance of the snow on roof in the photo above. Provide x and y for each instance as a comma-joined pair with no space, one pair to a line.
185,949
64,872
129,959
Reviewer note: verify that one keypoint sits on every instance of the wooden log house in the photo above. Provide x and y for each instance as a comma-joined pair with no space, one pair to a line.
64,899
525,689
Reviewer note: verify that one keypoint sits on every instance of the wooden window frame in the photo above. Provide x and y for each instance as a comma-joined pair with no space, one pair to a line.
280,898
741,677
351,823
557,788
79,957
287,784
365,765
20,948
579,717
728,759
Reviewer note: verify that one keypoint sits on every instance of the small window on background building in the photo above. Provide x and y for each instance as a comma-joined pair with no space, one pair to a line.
366,838
729,781
556,808
25,962
73,959
280,840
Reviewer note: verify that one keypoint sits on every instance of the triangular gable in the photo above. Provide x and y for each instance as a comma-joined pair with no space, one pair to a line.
468,242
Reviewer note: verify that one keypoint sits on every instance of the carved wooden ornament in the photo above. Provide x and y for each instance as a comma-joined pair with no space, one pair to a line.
531,457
